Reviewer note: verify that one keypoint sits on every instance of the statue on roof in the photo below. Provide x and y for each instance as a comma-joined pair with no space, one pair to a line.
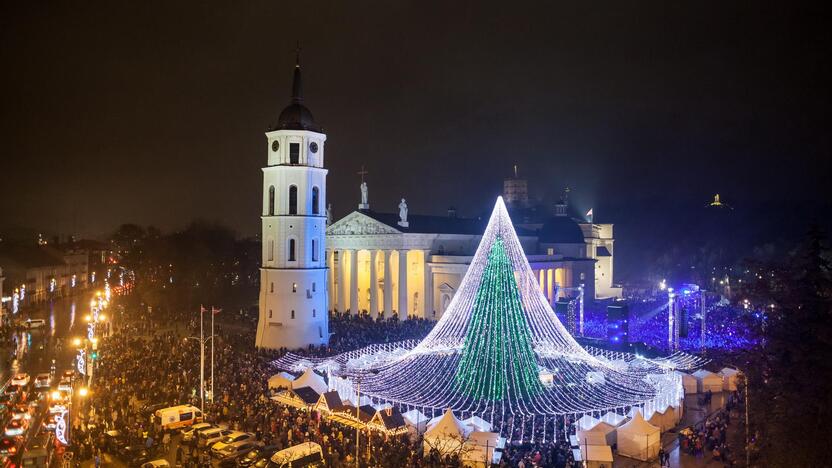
403,213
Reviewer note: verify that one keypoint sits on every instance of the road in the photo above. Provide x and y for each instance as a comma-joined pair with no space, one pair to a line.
34,351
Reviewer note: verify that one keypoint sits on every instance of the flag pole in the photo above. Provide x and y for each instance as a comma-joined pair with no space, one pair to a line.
201,362
212,353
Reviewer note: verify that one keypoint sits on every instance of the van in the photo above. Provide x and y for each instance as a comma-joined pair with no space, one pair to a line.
307,454
178,416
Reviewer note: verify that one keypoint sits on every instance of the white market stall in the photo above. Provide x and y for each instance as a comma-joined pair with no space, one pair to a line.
707,380
312,380
446,435
601,432
594,456
729,379
416,419
638,439
689,383
613,419
283,380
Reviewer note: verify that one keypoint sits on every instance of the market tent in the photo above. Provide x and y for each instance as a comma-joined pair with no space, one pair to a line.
601,434
613,419
447,434
479,449
596,456
673,416
312,380
302,398
729,379
388,421
638,439
329,401
478,424
586,422
689,382
416,419
281,380
662,419
706,380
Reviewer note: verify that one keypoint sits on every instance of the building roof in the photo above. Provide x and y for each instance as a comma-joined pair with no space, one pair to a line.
30,256
391,418
431,224
307,394
333,401
560,230
296,116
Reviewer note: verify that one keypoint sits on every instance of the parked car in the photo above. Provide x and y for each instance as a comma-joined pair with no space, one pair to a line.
65,384
212,436
235,450
134,455
8,399
32,324
236,436
160,463
113,440
22,379
43,381
189,433
257,453
16,427
13,389
21,411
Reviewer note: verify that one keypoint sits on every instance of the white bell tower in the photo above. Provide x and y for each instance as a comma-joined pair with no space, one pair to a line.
293,273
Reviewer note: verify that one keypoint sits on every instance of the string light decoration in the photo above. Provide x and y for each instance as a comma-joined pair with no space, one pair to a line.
500,353
498,335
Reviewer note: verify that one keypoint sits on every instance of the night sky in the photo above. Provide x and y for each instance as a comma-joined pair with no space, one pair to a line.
154,112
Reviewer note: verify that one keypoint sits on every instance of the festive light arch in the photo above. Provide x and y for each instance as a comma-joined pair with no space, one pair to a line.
499,352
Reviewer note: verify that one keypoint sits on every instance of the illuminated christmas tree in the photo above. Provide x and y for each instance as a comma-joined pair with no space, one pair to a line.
497,357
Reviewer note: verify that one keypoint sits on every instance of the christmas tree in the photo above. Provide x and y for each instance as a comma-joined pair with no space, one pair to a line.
497,360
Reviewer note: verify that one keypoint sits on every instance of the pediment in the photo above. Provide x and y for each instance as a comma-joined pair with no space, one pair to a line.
358,224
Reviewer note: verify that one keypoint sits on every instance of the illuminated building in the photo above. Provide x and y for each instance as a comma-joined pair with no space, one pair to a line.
293,287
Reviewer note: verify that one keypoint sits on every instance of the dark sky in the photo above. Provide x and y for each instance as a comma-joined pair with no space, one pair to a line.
154,112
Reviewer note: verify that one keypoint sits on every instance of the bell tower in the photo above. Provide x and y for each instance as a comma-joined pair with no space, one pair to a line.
293,273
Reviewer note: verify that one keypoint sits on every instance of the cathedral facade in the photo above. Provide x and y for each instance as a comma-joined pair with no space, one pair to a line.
391,264
387,264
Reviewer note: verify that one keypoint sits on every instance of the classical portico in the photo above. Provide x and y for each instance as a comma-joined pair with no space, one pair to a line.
381,268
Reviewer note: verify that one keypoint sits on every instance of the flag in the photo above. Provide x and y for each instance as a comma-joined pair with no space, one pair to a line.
202,309
215,310
589,213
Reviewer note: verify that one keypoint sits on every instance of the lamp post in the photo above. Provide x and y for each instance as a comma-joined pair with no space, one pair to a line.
202,340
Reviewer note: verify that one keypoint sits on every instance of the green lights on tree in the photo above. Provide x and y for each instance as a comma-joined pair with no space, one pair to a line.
498,361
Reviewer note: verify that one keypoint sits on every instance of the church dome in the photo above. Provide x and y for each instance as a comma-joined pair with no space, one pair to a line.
560,230
297,116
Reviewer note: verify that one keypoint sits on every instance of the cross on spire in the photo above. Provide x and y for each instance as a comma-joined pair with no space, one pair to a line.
362,173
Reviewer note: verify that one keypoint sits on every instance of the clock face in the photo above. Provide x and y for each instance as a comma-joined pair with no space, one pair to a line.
275,145
313,147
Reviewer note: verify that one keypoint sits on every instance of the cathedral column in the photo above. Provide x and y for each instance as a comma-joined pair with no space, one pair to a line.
329,256
354,282
402,309
428,307
388,285
342,283
373,285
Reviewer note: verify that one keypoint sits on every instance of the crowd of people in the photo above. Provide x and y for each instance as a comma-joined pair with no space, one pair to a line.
148,362
709,438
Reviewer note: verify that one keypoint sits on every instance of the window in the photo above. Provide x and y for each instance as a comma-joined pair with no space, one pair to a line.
271,250
294,287
313,313
294,153
271,200
314,250
293,315
550,251
313,286
291,250
315,209
272,287
270,313
293,199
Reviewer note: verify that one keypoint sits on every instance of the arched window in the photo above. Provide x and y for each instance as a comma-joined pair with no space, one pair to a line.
271,250
293,315
313,313
272,288
270,313
314,250
271,200
293,199
291,250
315,208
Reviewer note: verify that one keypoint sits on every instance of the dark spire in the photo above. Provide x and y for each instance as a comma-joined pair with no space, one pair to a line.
297,84
296,116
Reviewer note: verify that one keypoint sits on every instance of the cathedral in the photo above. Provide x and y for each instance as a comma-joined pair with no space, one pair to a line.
386,264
